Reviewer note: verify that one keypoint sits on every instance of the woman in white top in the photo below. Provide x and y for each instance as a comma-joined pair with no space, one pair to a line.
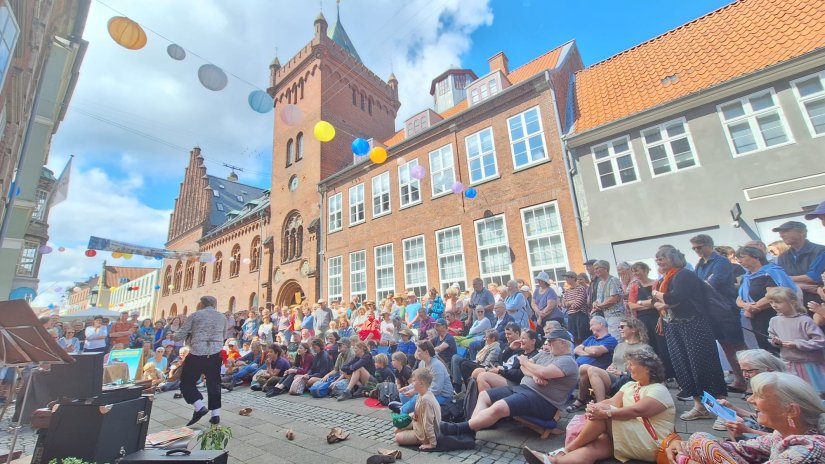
266,329
96,336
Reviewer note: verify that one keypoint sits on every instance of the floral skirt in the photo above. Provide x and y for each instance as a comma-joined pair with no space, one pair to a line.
813,373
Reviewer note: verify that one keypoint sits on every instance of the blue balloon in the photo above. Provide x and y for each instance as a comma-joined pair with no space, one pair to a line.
159,257
260,101
157,287
360,147
51,306
470,193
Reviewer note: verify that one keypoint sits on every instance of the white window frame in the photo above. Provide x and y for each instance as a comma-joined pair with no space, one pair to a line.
382,292
409,262
493,86
800,100
487,277
41,198
361,256
750,117
335,277
380,190
450,255
666,141
612,158
335,220
441,154
474,96
12,21
355,205
530,236
27,260
526,139
407,181
481,156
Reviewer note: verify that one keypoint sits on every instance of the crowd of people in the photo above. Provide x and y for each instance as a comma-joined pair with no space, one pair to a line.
609,345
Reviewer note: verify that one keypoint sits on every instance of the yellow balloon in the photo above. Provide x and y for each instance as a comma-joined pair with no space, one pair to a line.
324,131
378,155
127,33
112,289
117,254
127,255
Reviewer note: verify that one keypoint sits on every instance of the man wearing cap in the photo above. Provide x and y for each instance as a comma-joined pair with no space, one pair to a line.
481,297
803,261
549,378
322,316
818,213
444,343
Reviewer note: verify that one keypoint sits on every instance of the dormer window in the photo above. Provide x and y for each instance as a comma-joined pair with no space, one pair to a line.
240,198
219,206
216,193
444,85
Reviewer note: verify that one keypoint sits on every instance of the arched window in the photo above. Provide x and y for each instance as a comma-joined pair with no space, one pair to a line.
295,93
369,105
178,277
216,271
202,275
299,146
167,280
253,301
235,261
293,235
290,153
363,100
185,310
354,97
255,254
232,304
189,275
301,88
173,311
163,314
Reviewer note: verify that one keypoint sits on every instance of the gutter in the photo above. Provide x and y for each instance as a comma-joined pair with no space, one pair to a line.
319,256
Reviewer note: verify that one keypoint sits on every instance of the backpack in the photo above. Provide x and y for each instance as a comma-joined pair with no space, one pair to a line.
387,392
470,398
321,389
452,411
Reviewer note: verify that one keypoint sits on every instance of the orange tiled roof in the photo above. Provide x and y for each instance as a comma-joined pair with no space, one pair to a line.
115,273
732,41
459,107
395,139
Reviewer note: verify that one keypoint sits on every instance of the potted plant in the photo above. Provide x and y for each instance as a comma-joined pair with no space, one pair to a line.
216,438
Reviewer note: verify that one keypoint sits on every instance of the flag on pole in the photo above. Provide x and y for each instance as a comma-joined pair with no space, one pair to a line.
61,189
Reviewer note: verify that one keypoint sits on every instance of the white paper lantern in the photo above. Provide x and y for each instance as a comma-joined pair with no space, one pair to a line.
212,77
176,52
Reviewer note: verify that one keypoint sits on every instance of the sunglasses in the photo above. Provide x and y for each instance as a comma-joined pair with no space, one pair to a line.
622,326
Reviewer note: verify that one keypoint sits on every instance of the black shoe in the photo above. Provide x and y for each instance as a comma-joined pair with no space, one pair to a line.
256,387
196,416
684,396
177,396
215,420
274,392
395,406
347,395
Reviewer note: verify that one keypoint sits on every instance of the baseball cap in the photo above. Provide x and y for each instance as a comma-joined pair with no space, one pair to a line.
524,288
819,211
320,300
441,321
559,334
790,225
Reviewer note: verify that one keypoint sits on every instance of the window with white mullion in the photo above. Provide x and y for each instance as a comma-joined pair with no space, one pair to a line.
614,163
381,194
481,156
810,93
335,288
40,198
754,123
450,251
335,212
442,172
669,147
357,209
415,265
408,186
384,271
544,240
28,256
358,275
526,138
493,250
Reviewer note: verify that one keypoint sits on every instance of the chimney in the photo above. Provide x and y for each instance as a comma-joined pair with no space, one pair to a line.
499,62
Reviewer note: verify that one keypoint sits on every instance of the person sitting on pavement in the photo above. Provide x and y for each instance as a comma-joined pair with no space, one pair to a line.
443,342
454,324
345,355
360,370
486,357
425,323
596,350
246,366
172,381
507,373
442,388
407,343
401,369
321,363
302,365
548,379
426,417
500,321
476,332
272,368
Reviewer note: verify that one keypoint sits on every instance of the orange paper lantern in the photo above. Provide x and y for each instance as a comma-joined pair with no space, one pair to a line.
127,33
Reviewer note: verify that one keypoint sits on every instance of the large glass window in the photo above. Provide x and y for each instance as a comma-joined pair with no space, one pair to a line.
356,205
415,265
614,163
384,271
358,275
481,155
668,147
442,172
409,187
335,289
9,32
527,138
545,240
335,212
450,252
754,123
381,194
28,255
493,250
40,198
810,93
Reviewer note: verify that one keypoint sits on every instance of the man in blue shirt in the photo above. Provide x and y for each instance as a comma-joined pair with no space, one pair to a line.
597,350
804,261
444,343
484,298
411,312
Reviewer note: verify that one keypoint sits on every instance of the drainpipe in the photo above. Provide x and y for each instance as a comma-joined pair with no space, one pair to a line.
319,256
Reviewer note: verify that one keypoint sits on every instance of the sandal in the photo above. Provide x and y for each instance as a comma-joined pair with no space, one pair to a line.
388,452
335,435
245,411
577,405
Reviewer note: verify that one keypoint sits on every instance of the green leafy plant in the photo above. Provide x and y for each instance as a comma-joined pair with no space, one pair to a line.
69,461
216,438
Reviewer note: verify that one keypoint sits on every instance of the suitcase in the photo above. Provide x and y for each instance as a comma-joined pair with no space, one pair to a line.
153,456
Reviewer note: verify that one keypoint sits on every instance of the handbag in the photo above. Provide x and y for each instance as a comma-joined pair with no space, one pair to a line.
298,386
661,445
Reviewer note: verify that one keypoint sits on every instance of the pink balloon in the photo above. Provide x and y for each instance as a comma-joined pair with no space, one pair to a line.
291,115
418,172
457,187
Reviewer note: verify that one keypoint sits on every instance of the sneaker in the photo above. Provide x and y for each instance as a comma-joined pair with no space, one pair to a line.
719,424
696,414
684,396
256,387
346,395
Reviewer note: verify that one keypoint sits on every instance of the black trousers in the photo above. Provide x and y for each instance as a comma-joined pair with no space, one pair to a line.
193,368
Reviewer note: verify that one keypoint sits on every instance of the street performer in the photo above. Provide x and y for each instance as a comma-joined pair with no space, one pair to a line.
206,328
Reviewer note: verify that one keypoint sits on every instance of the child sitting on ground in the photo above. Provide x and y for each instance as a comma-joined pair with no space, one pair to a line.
401,370
426,417
383,373
151,372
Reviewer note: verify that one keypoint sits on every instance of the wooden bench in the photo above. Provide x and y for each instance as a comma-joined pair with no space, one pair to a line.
544,428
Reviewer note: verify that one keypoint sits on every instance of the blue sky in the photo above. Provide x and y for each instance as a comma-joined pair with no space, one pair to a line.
136,114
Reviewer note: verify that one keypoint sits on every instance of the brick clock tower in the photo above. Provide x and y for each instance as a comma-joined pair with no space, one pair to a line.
325,80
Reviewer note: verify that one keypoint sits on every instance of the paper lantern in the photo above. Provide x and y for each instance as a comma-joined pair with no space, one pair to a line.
212,77
360,147
471,193
61,249
127,33
159,257
400,160
246,260
378,155
127,255
45,249
51,305
171,287
157,287
135,288
457,187
112,289
260,101
58,289
91,253
291,115
117,254
418,172
176,52
324,131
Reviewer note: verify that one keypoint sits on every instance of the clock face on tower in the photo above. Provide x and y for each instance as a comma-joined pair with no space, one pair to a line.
293,183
